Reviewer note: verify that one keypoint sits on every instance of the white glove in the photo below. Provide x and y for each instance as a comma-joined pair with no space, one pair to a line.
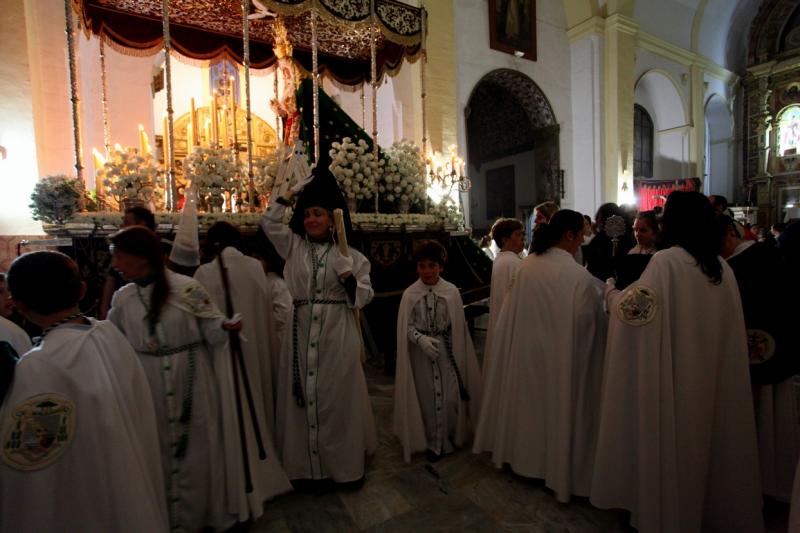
301,184
429,346
342,264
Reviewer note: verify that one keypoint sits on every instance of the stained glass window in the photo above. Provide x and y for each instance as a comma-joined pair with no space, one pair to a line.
789,131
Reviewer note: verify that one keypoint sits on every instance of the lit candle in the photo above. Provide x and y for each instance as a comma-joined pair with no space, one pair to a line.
165,144
224,129
142,141
190,138
206,128
117,147
99,163
214,123
195,131
232,87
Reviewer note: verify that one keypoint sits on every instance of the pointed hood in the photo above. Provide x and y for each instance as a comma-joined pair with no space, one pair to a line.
323,191
186,248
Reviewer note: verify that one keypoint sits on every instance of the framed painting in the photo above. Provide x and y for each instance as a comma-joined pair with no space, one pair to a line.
512,27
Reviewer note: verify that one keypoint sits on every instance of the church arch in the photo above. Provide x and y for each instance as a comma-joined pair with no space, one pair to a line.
719,152
659,94
512,147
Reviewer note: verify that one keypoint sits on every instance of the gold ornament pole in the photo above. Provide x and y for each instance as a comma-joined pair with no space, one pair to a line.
171,192
315,80
246,53
423,95
373,49
73,88
98,185
278,132
363,109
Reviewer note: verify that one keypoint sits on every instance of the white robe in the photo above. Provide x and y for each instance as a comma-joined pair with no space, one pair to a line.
503,269
428,410
329,436
677,439
540,409
251,297
14,335
281,302
197,486
778,427
105,475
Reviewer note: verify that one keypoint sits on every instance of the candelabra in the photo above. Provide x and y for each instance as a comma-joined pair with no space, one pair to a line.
447,173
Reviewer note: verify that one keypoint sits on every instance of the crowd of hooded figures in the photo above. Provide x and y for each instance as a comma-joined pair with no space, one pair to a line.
643,361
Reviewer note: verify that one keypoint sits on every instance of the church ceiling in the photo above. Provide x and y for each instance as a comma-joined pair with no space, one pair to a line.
774,32
203,29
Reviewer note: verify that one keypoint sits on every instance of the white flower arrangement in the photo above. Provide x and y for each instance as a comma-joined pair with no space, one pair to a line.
355,168
113,220
396,219
447,212
404,174
213,170
128,175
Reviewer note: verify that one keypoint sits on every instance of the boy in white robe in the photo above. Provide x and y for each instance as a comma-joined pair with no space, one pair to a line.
542,385
79,439
438,383
509,235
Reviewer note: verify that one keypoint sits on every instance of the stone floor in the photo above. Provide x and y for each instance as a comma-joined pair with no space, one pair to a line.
462,492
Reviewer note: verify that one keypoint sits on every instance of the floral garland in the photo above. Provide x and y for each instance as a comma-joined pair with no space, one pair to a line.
213,171
265,170
355,168
127,175
404,175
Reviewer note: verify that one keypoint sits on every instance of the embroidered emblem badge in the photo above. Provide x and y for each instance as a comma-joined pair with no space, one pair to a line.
199,302
38,431
760,345
638,306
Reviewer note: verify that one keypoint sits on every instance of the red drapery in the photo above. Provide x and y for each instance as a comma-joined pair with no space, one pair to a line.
652,193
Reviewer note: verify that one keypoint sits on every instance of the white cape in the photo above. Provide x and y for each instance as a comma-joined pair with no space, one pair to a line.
504,267
677,439
14,335
106,474
408,424
251,297
543,383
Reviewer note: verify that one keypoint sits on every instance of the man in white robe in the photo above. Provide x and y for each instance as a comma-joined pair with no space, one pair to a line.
677,438
542,386
509,235
251,298
438,381
79,438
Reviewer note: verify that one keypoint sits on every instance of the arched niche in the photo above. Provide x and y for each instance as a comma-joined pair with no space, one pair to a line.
512,146
719,154
658,93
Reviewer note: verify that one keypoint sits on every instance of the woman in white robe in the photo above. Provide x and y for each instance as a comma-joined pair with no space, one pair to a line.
540,406
179,352
677,438
251,298
324,424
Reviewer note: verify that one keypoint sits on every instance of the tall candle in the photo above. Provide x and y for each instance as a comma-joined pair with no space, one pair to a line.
224,129
214,124
190,138
142,142
232,88
195,131
206,129
165,144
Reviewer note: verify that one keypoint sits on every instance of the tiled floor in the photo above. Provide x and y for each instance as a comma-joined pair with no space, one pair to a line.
462,492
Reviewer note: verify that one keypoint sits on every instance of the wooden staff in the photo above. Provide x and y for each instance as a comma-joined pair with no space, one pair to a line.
341,237
239,366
